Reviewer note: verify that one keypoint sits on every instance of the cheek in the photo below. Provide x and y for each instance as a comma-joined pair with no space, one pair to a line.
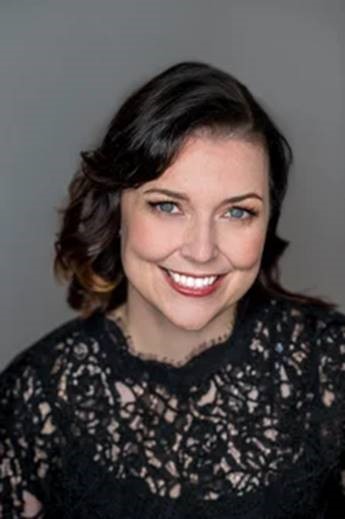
148,241
245,251
153,242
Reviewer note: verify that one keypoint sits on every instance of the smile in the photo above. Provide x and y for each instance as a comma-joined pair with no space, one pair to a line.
192,281
192,286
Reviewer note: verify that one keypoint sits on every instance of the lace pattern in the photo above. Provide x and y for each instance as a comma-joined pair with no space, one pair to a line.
255,433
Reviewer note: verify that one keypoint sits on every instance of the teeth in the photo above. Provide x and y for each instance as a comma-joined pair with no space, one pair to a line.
192,282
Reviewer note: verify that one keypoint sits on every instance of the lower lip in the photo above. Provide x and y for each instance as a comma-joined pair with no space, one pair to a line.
193,292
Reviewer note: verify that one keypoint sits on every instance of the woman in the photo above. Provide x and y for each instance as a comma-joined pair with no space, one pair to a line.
191,384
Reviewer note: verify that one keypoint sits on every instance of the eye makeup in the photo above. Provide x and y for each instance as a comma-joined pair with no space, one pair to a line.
156,207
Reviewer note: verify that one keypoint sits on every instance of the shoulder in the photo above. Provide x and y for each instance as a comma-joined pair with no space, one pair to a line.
315,321
40,366
44,351
35,418
318,335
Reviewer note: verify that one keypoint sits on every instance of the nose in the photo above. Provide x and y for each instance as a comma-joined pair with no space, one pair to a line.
199,243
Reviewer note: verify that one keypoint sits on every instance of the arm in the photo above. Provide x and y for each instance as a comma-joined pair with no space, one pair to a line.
331,369
23,458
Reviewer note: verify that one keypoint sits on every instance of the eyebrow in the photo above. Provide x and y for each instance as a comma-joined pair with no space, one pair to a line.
180,196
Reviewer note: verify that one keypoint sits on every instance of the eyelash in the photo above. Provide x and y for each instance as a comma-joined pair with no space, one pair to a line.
250,212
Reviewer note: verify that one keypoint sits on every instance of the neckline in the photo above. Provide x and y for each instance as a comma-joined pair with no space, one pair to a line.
235,349
148,357
111,326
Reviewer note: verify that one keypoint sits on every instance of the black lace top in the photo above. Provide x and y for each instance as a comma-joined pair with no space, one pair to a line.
251,428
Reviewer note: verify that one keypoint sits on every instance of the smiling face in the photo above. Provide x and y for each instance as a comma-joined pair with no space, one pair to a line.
198,235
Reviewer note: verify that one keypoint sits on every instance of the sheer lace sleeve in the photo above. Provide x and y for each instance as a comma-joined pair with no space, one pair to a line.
25,430
331,346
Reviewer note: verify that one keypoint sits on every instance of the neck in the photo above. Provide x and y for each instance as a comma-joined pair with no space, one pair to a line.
153,337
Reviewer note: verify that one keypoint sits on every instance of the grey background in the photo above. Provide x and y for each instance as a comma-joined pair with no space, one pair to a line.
66,65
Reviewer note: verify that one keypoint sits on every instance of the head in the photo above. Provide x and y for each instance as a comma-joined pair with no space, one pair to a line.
196,130
183,222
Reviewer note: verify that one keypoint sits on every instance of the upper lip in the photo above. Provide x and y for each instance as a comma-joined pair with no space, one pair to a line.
192,275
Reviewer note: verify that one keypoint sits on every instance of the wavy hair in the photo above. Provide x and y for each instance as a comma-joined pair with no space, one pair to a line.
143,139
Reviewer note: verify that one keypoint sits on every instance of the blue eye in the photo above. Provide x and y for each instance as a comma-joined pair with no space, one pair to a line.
240,213
239,210
155,206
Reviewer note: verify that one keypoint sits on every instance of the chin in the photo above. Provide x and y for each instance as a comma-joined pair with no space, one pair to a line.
193,320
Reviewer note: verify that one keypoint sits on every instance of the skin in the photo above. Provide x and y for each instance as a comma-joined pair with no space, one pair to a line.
195,237
198,237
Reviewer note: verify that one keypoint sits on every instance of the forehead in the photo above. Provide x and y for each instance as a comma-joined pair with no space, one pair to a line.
214,163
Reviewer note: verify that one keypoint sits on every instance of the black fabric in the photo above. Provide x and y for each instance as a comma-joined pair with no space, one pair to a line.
252,427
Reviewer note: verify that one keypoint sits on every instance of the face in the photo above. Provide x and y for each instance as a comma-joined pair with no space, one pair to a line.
196,232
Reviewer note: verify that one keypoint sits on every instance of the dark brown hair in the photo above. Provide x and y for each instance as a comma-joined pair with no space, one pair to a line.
142,140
